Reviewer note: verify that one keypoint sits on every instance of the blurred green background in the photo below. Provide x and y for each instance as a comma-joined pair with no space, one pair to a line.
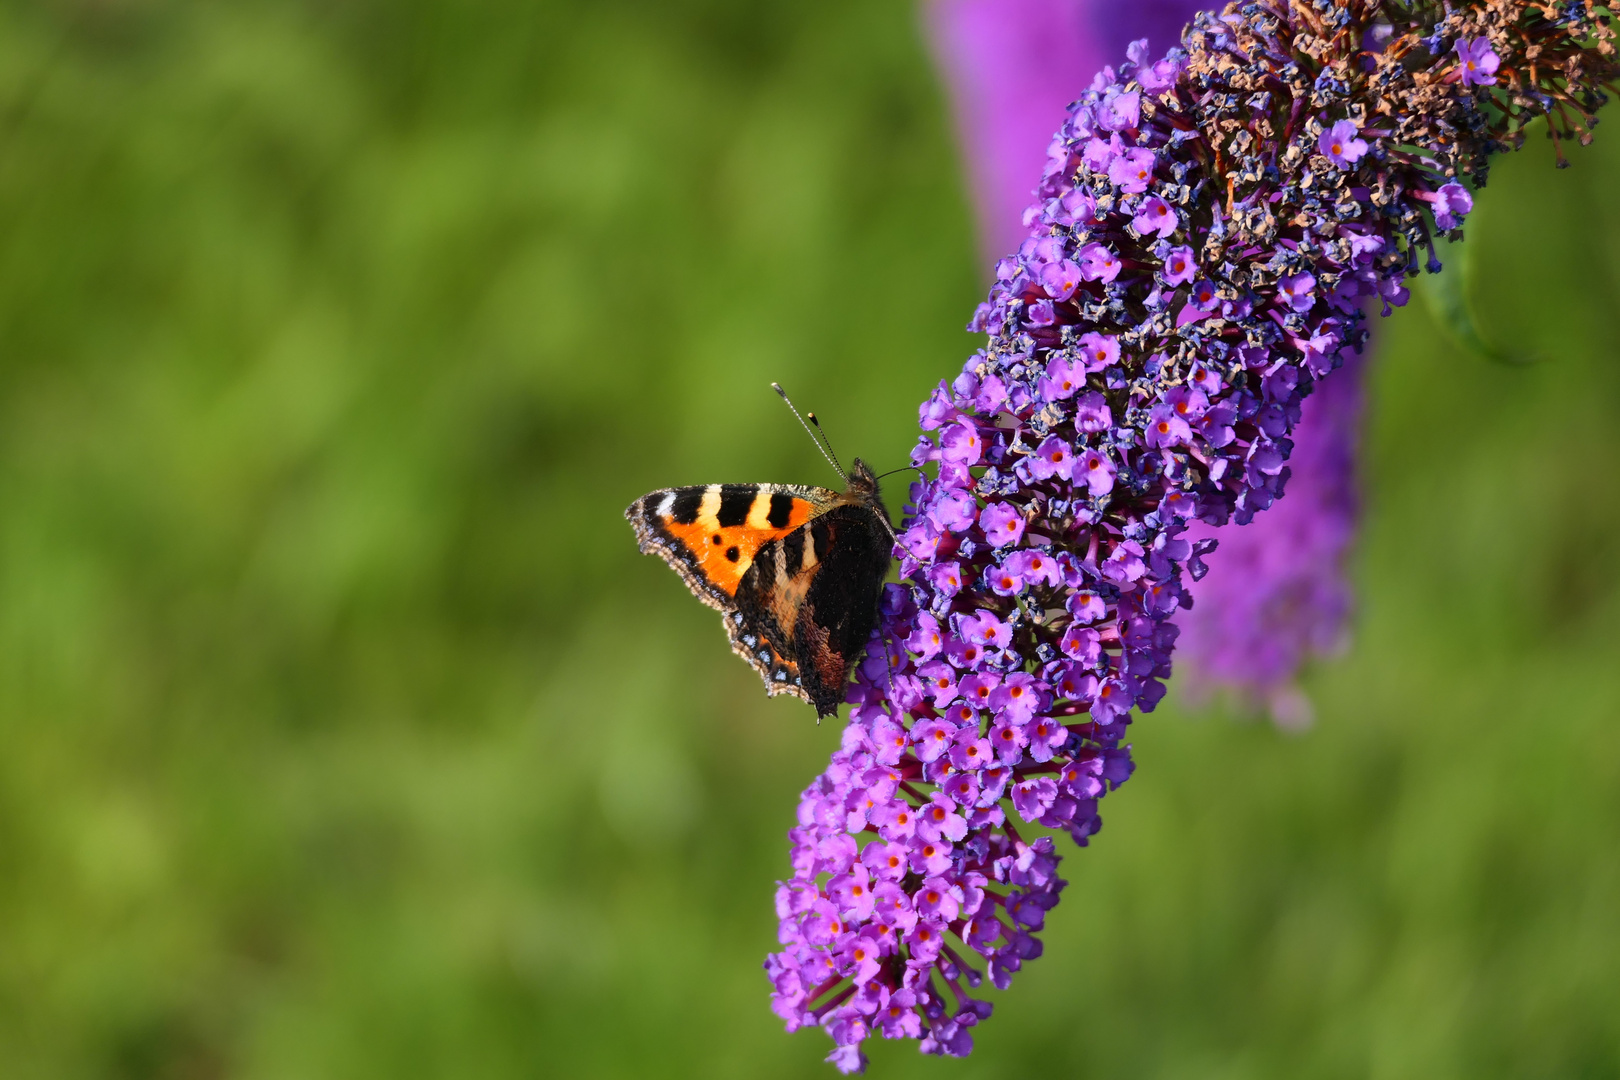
344,733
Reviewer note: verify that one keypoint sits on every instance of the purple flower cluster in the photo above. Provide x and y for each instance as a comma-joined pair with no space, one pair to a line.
1279,593
1210,226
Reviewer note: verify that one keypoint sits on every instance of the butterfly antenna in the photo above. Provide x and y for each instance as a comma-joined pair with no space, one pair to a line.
817,436
826,444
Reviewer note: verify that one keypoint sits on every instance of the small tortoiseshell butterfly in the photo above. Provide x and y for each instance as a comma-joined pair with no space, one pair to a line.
796,572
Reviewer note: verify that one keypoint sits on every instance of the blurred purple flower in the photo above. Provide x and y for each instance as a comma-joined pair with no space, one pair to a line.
1267,604
1012,66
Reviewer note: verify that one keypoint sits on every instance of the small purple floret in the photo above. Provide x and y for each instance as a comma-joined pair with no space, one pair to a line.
1340,145
1477,61
1132,170
1451,204
1180,265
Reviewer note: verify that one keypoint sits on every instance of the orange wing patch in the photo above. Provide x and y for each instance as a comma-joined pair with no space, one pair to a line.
721,551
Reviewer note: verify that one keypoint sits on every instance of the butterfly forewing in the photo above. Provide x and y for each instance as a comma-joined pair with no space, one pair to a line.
711,535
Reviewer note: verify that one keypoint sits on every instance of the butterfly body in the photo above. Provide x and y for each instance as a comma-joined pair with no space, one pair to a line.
795,571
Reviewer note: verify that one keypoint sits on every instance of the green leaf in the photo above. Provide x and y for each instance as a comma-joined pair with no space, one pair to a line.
1449,297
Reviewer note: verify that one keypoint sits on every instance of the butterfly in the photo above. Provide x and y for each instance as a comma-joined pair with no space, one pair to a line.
795,571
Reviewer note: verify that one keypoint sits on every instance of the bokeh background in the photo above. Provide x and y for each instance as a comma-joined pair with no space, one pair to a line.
344,733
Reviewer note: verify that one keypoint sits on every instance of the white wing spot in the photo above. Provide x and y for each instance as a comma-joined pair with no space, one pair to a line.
709,508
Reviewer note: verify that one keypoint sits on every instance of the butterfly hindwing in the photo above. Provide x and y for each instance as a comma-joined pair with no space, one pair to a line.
796,572
712,536
819,587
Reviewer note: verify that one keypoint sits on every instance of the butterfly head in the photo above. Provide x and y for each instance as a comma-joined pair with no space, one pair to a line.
863,487
862,480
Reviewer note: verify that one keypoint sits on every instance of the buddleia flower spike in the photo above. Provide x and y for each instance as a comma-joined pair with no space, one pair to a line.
1280,594
1211,224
